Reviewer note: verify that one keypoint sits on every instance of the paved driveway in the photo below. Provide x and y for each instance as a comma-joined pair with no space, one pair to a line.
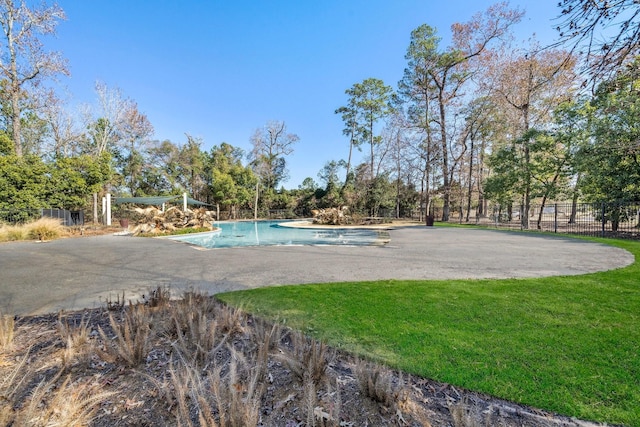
83,272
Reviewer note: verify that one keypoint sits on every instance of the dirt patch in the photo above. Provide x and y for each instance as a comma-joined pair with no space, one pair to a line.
91,230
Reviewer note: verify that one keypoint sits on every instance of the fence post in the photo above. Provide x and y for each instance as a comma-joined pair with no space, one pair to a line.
603,218
555,218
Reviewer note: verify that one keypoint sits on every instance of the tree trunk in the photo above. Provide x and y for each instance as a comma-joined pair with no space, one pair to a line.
482,211
427,167
574,202
470,186
398,172
398,198
346,178
371,144
422,199
524,215
544,199
255,207
427,184
445,161
15,118
574,208
539,222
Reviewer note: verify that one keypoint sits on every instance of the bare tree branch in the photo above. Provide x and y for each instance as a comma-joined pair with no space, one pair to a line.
605,33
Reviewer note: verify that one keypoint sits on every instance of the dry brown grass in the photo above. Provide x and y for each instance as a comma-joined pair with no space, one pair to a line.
49,402
131,340
196,336
240,392
76,337
230,319
66,404
11,233
45,229
467,414
7,330
9,387
231,389
378,383
193,328
158,297
307,360
42,229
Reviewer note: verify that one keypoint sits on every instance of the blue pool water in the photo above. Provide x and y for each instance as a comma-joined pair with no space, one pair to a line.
268,233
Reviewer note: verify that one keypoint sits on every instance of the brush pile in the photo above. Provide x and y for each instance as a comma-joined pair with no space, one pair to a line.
332,216
154,221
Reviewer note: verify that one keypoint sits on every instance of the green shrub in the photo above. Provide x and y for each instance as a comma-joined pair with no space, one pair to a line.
179,231
191,230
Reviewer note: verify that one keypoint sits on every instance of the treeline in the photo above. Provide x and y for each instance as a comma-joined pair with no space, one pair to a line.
483,121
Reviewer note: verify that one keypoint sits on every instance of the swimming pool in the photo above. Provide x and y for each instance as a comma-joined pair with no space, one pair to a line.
270,233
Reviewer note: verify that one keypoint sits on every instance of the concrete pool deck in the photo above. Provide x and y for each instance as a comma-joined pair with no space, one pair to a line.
76,273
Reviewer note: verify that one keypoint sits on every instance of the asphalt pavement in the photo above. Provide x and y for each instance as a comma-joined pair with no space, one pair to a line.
75,273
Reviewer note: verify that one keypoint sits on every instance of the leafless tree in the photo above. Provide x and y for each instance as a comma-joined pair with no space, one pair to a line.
107,122
396,156
23,61
64,137
135,131
270,144
135,127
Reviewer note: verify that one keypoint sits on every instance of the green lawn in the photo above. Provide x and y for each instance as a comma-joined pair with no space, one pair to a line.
565,344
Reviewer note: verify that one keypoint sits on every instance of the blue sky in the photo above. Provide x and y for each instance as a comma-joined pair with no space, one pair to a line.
220,69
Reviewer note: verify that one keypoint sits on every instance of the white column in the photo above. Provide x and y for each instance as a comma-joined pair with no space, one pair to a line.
108,209
184,202
95,208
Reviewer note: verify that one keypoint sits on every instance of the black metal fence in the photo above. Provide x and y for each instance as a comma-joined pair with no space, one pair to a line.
620,220
68,218
262,214
20,216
